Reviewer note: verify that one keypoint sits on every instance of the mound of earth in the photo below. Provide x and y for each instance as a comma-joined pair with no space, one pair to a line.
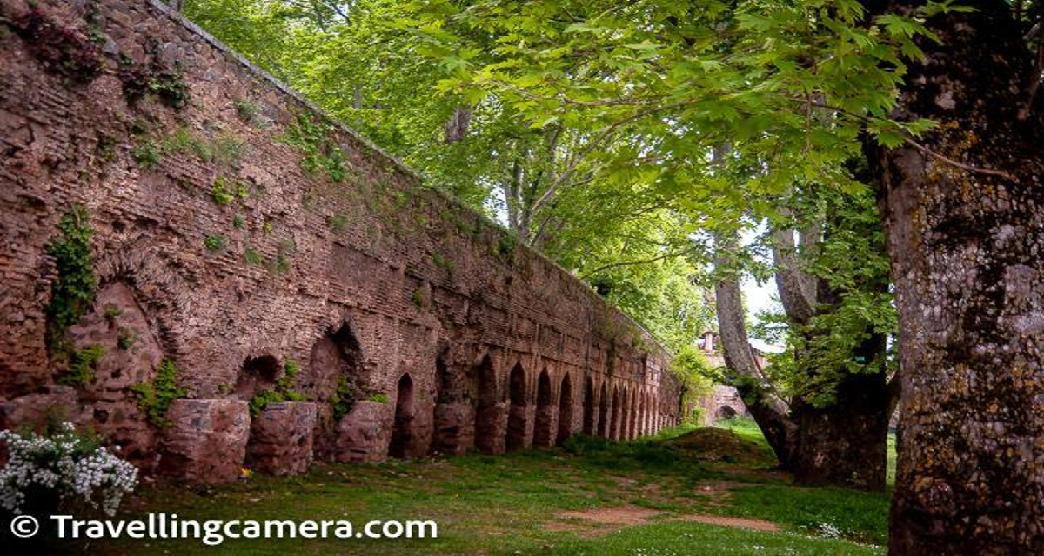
712,444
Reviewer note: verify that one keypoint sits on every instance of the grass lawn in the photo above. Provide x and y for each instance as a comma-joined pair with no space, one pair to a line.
652,497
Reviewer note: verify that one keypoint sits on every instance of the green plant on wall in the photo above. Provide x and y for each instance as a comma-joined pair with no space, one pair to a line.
343,398
251,256
146,154
246,110
82,366
214,242
171,89
379,397
338,222
125,338
283,391
73,291
442,262
279,264
418,298
111,312
225,190
223,150
154,398
319,151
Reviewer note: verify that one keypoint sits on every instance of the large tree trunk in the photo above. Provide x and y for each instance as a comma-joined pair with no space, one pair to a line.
841,444
966,238
845,443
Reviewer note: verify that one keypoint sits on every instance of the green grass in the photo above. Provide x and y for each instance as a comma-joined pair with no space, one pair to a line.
511,505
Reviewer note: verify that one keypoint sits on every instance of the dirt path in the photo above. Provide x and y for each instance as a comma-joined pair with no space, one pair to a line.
597,522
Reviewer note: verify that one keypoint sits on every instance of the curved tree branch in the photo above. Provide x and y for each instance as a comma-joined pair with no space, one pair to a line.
769,411
796,288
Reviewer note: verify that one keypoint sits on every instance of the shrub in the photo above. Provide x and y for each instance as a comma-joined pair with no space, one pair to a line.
55,469
283,390
343,398
72,293
251,256
154,398
214,242
125,338
82,364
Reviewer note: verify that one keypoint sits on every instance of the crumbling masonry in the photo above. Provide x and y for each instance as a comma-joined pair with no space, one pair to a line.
246,246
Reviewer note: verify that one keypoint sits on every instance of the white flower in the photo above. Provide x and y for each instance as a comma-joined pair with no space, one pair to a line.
63,463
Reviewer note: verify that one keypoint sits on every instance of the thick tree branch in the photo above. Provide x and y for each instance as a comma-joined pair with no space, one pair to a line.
768,410
793,283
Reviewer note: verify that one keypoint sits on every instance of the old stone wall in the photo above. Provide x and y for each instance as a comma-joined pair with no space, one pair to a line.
245,240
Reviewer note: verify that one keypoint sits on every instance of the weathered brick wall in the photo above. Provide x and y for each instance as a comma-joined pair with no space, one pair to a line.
439,325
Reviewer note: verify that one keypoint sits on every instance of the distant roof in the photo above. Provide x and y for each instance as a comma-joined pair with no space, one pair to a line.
766,347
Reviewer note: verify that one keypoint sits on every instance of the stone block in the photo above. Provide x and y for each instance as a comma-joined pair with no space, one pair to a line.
281,438
365,433
454,428
206,441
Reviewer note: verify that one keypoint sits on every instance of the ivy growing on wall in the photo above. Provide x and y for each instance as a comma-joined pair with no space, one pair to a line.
73,291
283,391
320,152
82,366
154,398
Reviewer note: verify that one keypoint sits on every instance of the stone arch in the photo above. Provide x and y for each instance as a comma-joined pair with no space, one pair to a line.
725,412
543,429
604,416
335,364
641,413
650,410
145,271
120,326
451,413
402,427
483,380
257,374
515,436
617,409
625,413
589,407
565,410
632,424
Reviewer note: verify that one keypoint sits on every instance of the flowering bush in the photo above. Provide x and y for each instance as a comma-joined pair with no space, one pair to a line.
62,467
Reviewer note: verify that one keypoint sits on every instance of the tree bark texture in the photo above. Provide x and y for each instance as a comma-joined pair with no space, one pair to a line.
966,240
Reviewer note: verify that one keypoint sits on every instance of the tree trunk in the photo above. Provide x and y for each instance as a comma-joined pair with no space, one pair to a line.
769,412
846,443
842,444
966,239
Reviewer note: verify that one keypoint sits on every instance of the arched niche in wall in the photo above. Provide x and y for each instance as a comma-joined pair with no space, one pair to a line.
565,410
605,427
483,396
402,427
589,406
516,426
331,378
543,429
